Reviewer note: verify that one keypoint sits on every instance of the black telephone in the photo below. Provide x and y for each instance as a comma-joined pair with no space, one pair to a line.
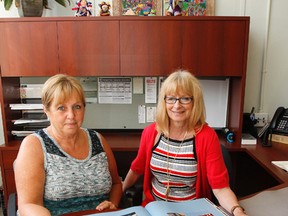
278,125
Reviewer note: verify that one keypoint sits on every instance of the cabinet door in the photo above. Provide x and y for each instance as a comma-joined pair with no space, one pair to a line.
89,48
28,49
214,48
149,47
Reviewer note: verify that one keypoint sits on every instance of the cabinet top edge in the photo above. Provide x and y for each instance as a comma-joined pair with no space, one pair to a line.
128,18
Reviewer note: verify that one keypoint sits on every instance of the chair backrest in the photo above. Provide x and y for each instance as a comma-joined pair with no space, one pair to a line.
12,205
12,201
229,166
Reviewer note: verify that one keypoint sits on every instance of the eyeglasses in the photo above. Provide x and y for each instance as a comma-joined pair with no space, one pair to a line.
182,100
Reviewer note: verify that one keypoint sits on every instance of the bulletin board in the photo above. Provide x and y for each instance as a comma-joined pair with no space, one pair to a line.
125,116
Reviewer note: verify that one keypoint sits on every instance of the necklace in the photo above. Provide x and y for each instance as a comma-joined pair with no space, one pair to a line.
168,164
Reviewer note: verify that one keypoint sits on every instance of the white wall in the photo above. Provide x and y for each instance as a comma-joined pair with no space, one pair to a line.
276,76
267,69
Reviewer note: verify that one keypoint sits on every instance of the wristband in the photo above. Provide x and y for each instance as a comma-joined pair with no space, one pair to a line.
235,207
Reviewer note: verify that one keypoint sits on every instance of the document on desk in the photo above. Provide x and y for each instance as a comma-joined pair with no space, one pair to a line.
197,207
281,164
267,203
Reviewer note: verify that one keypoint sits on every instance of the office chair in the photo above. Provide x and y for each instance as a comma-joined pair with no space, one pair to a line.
133,196
12,205
229,166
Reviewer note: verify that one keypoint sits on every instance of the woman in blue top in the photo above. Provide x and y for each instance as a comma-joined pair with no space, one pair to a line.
65,168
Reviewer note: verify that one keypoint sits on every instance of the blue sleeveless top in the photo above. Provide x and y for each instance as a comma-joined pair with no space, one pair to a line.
71,184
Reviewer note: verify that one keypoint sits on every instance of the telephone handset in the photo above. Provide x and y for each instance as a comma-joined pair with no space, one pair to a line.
278,124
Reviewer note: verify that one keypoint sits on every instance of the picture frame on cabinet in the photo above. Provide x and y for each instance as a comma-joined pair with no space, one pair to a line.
137,8
188,7
159,7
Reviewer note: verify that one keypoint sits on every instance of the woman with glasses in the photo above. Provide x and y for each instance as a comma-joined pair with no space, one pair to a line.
180,155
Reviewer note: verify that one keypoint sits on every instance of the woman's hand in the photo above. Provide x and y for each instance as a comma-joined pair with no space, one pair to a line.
106,205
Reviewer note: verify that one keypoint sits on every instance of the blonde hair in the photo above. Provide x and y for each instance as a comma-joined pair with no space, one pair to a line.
181,81
60,87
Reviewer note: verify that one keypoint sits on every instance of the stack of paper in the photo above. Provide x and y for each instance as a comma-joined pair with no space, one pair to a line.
30,90
26,106
281,164
248,139
28,116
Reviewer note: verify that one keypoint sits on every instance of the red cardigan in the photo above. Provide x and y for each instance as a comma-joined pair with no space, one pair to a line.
212,172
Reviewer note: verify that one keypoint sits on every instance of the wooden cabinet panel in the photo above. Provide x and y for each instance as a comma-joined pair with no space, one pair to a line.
89,48
28,48
9,158
214,48
150,47
10,181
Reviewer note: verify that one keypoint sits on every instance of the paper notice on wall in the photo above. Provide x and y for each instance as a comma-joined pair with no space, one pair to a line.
160,82
137,85
141,114
151,114
150,89
115,90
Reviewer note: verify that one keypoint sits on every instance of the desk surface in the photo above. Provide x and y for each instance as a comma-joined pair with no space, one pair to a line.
267,203
262,155
265,155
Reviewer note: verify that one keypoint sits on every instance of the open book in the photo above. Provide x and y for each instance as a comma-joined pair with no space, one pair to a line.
198,207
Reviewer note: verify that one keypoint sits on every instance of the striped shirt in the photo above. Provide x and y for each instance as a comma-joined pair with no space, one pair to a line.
173,163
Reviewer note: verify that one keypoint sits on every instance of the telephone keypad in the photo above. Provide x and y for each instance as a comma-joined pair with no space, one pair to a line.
282,125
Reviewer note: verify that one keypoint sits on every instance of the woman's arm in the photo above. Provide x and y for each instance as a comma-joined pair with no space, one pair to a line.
30,178
116,190
228,200
138,166
130,179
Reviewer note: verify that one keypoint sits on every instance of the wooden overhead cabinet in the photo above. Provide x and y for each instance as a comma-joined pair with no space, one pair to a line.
89,48
29,48
215,47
